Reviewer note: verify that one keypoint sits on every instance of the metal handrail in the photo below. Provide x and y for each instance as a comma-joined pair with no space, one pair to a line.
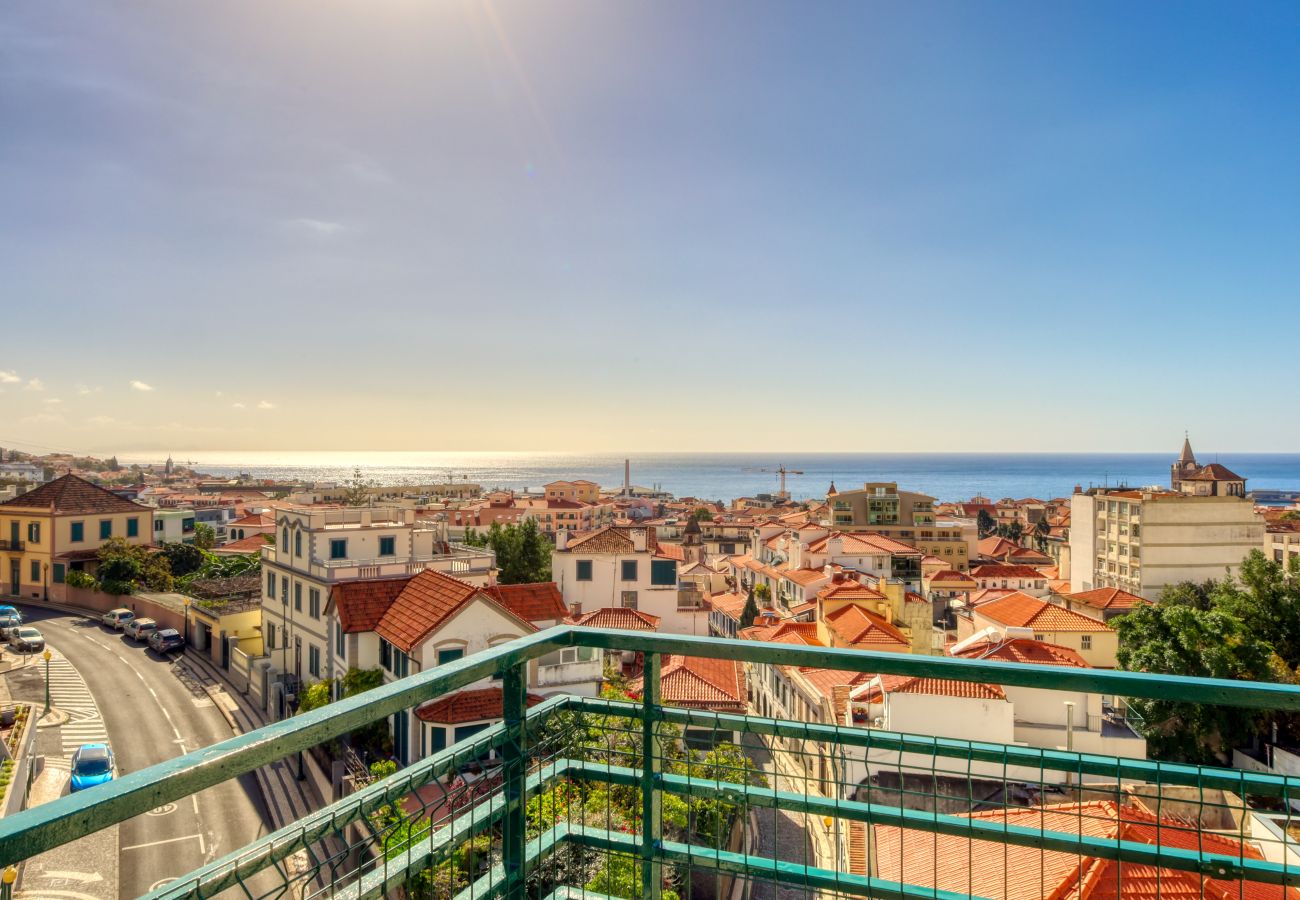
71,817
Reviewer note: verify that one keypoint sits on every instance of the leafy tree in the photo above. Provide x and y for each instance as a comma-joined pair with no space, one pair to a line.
358,488
763,592
985,523
205,536
184,559
124,567
1291,515
749,614
702,514
523,553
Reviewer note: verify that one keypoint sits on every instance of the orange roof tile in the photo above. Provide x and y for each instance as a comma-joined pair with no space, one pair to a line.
716,684
428,600
537,602
857,625
618,617
361,604
251,544
467,706
849,589
610,539
1110,598
805,577
943,687
863,542
952,576
1024,650
995,571
1022,611
71,495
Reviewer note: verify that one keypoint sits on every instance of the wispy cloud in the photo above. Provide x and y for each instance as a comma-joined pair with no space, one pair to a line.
53,400
237,405
42,419
9,377
266,404
141,386
316,227
85,389
35,384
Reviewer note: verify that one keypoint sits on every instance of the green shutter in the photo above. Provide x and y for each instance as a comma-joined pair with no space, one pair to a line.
58,573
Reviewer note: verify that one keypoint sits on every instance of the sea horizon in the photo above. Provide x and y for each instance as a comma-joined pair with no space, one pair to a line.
719,475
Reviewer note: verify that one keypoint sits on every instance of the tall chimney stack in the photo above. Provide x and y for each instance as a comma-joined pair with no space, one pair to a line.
627,478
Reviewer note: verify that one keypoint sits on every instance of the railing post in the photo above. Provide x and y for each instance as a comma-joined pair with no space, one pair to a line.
514,773
652,824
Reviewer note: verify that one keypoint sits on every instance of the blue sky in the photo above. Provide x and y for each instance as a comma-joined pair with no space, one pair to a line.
648,226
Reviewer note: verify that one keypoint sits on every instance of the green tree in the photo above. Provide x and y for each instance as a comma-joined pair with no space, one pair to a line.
702,514
205,536
357,492
749,614
985,523
184,559
523,553
124,567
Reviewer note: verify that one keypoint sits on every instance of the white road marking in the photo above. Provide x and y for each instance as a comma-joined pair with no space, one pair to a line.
83,877
68,692
186,837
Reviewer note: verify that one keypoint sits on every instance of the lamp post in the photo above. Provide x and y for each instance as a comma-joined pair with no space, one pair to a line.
186,633
47,656
7,882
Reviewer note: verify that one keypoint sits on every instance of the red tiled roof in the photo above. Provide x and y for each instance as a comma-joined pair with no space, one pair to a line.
1110,598
467,706
251,544
618,617
1022,611
71,495
981,597
716,684
863,542
848,589
671,551
255,519
857,625
538,602
610,539
730,605
1025,650
1013,872
994,571
361,604
943,687
805,577
428,600
1212,472
952,575
803,633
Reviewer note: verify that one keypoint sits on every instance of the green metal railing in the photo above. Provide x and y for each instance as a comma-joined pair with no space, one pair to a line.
584,788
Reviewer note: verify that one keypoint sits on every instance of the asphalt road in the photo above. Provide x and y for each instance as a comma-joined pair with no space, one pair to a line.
154,711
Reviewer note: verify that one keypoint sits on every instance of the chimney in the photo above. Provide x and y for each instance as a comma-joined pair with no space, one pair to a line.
627,478
638,536
561,540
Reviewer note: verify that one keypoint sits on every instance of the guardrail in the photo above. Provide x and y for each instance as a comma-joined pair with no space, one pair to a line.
692,794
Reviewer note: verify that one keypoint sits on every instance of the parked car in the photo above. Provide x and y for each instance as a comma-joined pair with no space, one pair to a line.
27,639
9,622
92,764
140,629
117,618
164,640
10,611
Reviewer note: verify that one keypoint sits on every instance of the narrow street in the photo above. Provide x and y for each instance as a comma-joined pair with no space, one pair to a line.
781,835
150,709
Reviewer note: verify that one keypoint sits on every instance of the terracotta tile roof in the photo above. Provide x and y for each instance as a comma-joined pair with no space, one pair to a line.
942,687
618,617
824,681
1110,598
1024,650
859,626
260,519
730,605
801,608
981,597
951,576
848,589
805,577
802,633
610,539
1022,611
715,684
1013,872
361,604
251,544
71,495
994,547
539,602
671,551
864,542
995,571
467,706
427,600
1212,472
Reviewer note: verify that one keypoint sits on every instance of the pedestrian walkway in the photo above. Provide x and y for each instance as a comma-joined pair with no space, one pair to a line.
69,693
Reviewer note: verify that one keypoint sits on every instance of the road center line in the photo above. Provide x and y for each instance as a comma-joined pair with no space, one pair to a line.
187,837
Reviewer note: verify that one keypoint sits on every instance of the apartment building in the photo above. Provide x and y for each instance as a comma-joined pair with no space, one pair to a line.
315,550
59,527
906,515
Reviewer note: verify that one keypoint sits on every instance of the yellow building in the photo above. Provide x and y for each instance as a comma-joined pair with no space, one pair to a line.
59,527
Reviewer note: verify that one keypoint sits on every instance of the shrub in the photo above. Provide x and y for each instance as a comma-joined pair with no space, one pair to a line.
79,579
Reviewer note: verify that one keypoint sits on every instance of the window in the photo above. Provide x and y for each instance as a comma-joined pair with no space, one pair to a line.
313,603
58,573
340,641
78,532
105,529
133,527
388,546
297,543
284,590
437,739
629,570
468,731
297,596
385,654
34,532
629,599
270,585
584,570
663,572
1085,642
450,654
339,548
270,635
313,661
36,572
157,524
284,540
1040,637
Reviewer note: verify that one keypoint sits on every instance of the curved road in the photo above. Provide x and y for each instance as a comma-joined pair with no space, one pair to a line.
155,710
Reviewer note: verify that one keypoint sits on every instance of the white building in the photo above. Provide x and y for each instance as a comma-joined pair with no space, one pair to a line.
173,526
23,471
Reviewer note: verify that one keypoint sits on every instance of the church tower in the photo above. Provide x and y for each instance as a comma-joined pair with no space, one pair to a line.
1185,466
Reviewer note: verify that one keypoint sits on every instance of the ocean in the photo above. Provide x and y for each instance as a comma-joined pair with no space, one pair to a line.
723,476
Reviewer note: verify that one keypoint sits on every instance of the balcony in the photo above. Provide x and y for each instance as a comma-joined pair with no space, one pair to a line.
570,805
15,546
462,561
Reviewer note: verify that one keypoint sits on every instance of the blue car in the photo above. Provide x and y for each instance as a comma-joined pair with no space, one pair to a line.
92,764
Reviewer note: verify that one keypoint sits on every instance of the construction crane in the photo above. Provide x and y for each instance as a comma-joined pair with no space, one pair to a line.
782,471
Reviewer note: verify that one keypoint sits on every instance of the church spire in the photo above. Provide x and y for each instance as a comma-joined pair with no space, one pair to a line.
1187,456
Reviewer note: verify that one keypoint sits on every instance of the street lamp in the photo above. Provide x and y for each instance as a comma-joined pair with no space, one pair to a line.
47,655
186,632
7,882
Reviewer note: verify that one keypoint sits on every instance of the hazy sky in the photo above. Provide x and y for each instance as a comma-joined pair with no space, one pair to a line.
404,224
